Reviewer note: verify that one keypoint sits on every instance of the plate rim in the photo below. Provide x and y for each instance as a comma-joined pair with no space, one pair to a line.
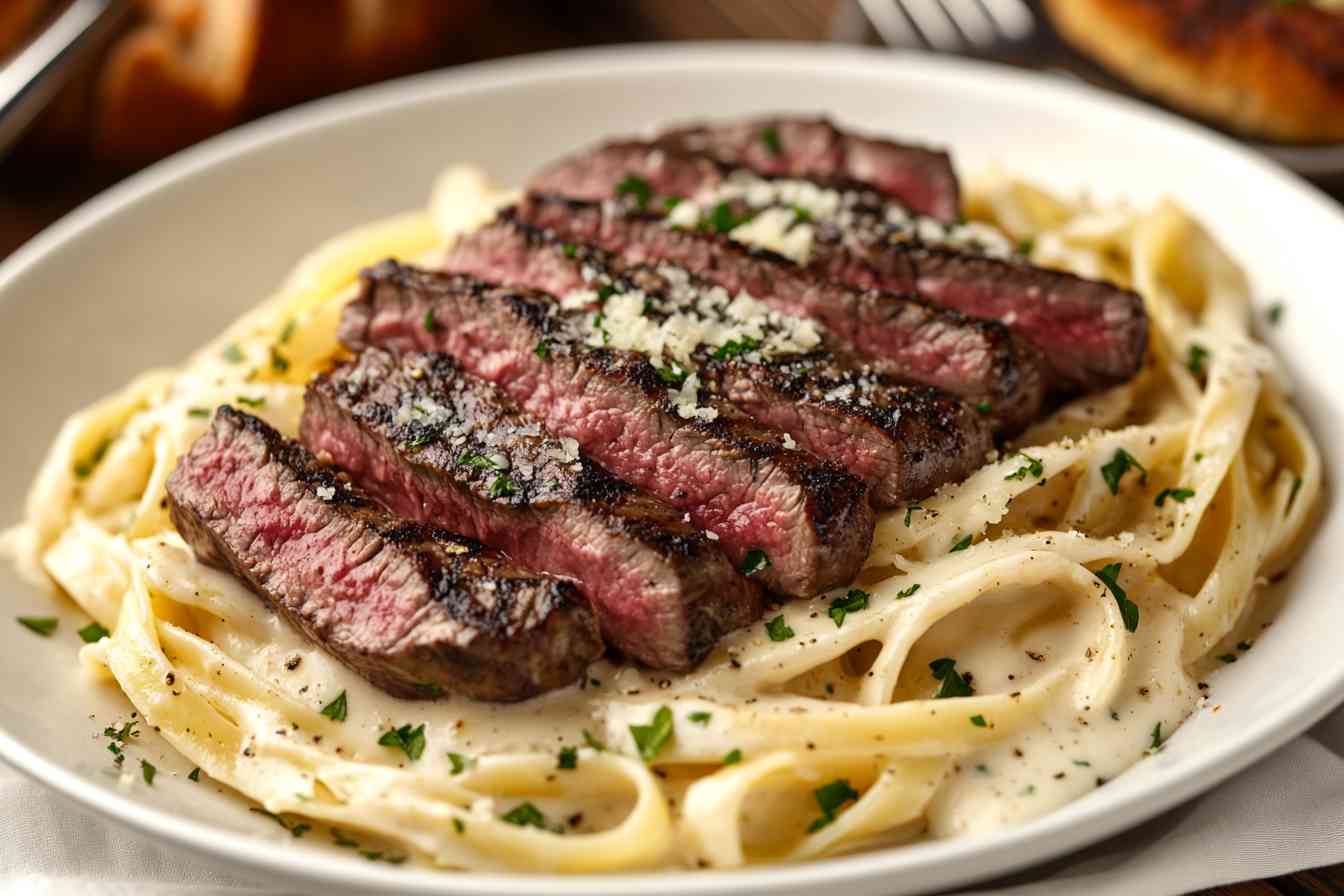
945,863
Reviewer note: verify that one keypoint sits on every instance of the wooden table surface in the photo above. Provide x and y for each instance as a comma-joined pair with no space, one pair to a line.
35,191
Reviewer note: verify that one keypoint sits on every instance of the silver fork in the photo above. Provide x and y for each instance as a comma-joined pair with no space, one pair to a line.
980,27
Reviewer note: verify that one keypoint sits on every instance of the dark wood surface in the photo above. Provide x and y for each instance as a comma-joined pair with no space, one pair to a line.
37,190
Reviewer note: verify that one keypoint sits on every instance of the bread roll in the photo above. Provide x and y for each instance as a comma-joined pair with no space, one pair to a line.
1268,68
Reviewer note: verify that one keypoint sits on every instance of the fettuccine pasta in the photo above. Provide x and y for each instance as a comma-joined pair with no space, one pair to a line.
1029,633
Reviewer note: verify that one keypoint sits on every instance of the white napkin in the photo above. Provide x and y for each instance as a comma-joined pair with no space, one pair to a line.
1283,815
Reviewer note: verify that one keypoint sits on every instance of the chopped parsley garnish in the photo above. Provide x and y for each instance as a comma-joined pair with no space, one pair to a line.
830,797
570,250
1179,495
732,757
984,407
1115,469
909,511
543,350
800,216
42,625
592,741
672,375
288,331
503,487
1129,611
650,738
953,685
1228,657
1082,763
568,758
1244,646
604,292
279,363
1274,314
429,323
459,762
232,353
1033,468
93,633
198,412
252,402
1157,738
1196,358
755,561
722,218
194,775
1297,487
86,467
1026,246
907,592
336,709
459,825
778,629
343,840
636,186
735,347
526,815
770,137
148,771
854,600
671,202
478,461
962,543
410,741
979,721
700,717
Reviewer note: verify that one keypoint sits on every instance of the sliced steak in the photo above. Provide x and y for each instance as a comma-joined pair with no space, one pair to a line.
415,609
811,519
435,444
920,178
904,442
978,360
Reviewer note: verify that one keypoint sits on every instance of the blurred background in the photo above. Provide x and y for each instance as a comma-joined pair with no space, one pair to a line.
145,78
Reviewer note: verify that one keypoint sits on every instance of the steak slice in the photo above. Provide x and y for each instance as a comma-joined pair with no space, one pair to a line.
810,519
415,609
904,442
920,178
981,361
435,444
1092,334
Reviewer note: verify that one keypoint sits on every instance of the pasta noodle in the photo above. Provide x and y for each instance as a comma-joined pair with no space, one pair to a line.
1178,494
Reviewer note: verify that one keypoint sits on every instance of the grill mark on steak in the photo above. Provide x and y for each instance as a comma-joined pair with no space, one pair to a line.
415,609
903,441
432,443
981,361
1092,334
732,476
920,178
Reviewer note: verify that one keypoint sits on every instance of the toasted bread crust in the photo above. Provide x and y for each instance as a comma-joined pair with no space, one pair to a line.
1271,70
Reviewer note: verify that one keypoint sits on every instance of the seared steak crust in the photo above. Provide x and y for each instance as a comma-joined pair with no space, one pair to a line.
415,609
903,441
733,477
436,444
920,178
978,360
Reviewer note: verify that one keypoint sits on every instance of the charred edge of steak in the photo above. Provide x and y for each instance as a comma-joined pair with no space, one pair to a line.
905,440
1118,319
820,510
989,366
472,622
883,433
432,441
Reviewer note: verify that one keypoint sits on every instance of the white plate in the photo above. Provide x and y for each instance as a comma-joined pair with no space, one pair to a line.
147,271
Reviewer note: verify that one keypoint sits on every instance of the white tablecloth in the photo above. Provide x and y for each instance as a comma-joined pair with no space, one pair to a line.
1282,815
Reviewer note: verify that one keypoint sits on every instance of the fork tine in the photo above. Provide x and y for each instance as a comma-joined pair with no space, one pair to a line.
972,21
894,28
930,17
1013,18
